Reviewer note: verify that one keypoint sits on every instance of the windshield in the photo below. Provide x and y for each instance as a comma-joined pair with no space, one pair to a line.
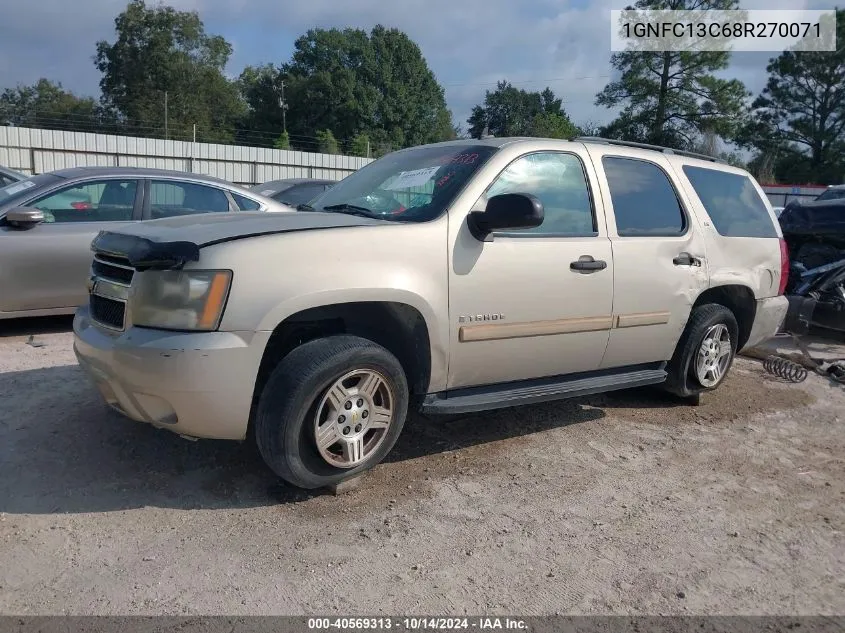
832,194
413,185
22,188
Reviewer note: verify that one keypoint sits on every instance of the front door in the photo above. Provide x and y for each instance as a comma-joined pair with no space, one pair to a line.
47,266
518,307
659,255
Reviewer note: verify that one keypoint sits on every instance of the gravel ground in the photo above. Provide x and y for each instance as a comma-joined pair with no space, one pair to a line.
626,503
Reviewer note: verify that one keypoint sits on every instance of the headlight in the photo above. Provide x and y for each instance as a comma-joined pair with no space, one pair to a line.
180,299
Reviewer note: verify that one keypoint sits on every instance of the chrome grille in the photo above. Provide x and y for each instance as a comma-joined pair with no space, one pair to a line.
112,268
109,312
111,277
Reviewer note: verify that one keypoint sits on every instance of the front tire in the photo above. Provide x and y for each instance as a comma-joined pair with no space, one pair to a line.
705,352
330,410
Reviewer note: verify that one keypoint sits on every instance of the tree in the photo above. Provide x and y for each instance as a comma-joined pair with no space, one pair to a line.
260,88
797,125
510,111
326,142
552,125
672,97
161,54
283,142
360,145
47,105
351,82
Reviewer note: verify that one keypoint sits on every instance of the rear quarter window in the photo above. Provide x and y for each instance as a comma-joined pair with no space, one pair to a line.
732,202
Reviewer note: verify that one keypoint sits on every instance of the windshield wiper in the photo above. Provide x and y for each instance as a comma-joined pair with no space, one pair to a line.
302,207
352,209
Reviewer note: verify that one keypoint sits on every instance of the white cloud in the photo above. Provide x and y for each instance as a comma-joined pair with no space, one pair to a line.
470,44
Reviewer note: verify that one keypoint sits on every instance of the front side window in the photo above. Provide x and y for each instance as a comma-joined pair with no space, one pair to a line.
171,198
558,180
732,202
644,201
92,201
413,185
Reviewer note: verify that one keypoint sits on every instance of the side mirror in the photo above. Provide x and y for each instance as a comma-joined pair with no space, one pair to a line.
24,217
506,211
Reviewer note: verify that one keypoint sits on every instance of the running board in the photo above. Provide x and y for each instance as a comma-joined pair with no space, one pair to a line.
512,394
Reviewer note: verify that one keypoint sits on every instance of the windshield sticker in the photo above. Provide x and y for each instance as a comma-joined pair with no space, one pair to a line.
267,192
458,159
18,187
415,178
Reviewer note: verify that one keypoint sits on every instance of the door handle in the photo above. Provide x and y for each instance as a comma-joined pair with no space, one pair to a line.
587,263
685,259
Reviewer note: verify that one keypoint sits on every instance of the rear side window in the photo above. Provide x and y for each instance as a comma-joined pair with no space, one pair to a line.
644,201
732,202
245,204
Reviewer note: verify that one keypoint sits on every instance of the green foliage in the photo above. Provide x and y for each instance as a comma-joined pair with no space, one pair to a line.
797,125
326,142
510,111
283,142
260,88
351,82
671,98
360,145
47,104
161,50
552,125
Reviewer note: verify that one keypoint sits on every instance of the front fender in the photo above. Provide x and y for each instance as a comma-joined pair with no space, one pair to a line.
437,333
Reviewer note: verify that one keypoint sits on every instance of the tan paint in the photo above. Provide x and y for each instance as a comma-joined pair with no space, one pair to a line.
643,318
438,268
493,332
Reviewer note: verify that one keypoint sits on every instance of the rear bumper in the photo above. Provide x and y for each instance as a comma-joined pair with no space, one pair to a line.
768,318
196,384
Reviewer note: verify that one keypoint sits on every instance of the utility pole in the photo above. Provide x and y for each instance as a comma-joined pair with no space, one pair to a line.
165,115
284,106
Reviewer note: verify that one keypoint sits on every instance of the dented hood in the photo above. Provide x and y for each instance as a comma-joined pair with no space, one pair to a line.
171,242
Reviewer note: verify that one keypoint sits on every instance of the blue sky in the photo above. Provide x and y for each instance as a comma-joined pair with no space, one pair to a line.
470,44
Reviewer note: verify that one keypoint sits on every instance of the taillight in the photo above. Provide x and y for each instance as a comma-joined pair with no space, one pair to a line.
784,266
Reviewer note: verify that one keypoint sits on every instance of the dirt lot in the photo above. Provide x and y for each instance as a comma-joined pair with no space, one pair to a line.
627,503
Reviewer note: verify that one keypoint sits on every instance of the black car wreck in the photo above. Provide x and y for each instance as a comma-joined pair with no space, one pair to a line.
815,236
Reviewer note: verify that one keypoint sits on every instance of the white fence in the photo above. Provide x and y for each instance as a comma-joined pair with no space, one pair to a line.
33,151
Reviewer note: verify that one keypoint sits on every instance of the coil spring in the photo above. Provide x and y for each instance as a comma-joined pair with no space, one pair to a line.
785,368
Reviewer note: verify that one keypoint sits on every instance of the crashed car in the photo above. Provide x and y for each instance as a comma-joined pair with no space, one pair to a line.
815,236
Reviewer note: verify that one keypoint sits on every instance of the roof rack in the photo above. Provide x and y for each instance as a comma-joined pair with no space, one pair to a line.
656,148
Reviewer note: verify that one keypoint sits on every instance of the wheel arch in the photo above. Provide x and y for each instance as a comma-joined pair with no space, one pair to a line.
399,327
737,298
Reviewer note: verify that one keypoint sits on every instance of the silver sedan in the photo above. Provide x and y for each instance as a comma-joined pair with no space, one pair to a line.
47,223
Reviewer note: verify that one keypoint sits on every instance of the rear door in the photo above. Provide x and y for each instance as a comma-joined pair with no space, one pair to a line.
46,267
658,253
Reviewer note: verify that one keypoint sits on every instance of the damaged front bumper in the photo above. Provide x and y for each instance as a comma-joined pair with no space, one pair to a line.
196,384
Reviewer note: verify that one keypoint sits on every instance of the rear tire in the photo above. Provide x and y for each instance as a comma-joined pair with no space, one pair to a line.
330,410
705,352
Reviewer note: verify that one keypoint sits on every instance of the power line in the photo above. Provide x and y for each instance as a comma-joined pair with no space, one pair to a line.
526,81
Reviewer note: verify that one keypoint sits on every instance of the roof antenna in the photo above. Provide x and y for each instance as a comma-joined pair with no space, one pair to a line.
486,133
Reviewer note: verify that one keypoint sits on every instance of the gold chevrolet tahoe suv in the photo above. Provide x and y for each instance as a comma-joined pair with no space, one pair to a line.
453,277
